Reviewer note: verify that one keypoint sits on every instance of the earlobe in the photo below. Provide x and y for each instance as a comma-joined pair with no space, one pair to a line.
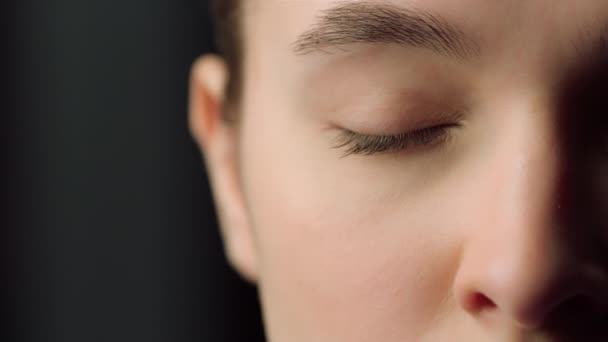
219,143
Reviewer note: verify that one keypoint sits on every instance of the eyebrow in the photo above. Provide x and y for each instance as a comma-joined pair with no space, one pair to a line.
373,22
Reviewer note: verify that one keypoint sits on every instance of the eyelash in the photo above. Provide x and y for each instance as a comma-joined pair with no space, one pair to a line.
361,144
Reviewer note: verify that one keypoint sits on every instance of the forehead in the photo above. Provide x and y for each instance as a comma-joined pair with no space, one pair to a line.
467,10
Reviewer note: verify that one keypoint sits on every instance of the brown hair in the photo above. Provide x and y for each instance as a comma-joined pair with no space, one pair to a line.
228,38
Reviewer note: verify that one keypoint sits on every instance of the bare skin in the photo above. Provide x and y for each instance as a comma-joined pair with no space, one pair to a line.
396,188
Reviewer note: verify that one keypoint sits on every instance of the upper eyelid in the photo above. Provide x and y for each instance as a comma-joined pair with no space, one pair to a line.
358,145
412,121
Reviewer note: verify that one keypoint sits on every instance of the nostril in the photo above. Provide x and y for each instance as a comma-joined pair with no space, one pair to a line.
480,302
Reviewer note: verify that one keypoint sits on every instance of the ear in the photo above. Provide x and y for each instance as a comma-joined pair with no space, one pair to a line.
219,142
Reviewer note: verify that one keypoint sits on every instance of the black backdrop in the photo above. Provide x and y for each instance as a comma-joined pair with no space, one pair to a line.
108,229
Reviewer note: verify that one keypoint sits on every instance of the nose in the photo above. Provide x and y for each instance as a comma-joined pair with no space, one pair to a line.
522,260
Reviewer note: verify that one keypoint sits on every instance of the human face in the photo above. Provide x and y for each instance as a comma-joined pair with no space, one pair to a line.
417,170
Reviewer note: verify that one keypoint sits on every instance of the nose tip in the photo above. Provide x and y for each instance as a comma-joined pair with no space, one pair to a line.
526,306
489,293
528,296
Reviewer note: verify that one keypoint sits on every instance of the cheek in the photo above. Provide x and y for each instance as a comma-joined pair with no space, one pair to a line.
344,254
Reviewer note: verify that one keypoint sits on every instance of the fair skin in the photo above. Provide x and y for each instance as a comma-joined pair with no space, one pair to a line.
487,226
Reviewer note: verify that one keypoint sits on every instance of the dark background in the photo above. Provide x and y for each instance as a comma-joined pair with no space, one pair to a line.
108,232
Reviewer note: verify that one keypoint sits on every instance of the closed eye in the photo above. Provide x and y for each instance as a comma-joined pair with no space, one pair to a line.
362,144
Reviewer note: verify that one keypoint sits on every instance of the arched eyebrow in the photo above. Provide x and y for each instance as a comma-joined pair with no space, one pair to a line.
379,23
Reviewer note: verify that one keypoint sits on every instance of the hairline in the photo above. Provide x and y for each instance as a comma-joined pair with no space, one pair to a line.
228,38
